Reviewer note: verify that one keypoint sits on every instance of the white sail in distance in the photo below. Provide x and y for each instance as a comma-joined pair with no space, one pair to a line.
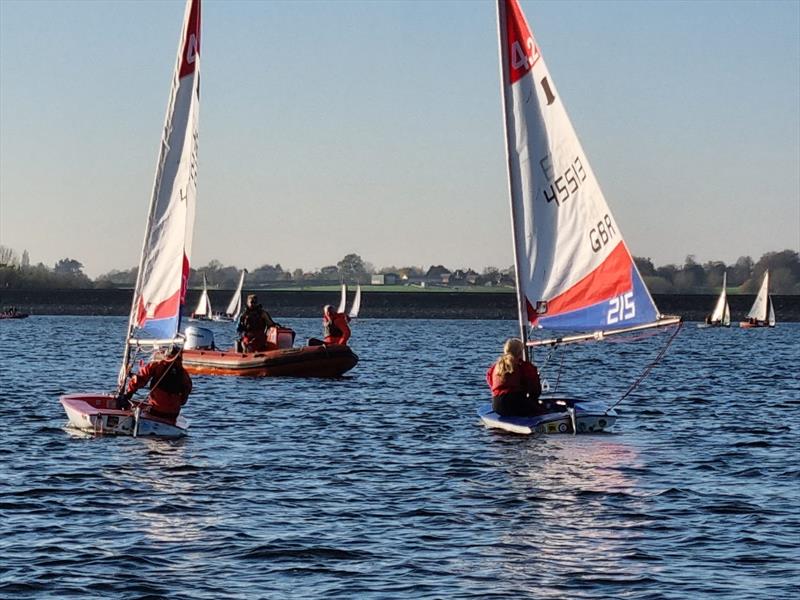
762,304
722,312
235,305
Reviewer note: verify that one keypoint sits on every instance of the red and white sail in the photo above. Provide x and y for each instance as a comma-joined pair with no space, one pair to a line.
164,269
574,270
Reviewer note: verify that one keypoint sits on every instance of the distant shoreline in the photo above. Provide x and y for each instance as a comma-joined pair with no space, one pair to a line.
416,304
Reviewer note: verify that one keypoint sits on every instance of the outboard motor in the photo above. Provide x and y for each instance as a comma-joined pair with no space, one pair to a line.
199,338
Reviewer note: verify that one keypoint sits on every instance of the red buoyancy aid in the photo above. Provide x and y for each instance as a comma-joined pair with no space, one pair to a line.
170,386
525,378
336,329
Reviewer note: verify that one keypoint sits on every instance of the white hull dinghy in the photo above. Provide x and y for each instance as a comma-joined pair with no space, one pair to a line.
559,415
97,414
160,290
574,271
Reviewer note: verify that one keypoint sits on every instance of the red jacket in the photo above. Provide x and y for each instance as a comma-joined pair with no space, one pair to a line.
336,330
168,391
525,378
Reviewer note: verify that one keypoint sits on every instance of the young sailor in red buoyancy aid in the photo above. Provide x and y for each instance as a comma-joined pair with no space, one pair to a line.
170,385
514,382
335,328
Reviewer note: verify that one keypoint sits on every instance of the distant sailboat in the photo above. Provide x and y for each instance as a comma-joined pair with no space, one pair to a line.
235,305
355,307
762,313
573,269
203,310
721,316
163,274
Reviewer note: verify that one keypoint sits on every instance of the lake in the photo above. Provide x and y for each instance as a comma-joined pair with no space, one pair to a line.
383,484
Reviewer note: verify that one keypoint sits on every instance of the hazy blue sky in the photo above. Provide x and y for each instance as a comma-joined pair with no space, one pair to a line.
375,127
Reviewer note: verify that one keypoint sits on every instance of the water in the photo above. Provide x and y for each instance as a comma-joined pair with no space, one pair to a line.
383,484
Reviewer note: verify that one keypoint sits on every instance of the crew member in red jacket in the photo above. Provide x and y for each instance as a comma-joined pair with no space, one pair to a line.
335,328
514,381
170,385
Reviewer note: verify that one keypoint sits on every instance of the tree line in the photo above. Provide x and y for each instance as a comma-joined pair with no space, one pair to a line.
744,276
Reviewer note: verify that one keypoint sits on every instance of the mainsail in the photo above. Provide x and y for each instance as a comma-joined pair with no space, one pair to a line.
762,309
235,305
204,304
356,307
574,271
164,266
722,312
342,299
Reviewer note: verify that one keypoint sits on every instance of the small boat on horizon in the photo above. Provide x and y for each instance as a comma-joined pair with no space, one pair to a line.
235,305
721,315
203,311
762,313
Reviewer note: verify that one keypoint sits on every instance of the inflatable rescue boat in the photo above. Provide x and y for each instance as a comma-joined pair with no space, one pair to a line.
200,357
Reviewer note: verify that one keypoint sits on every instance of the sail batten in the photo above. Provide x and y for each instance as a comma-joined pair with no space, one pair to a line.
574,270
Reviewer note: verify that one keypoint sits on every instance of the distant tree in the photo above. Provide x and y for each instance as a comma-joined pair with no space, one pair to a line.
7,256
266,273
297,274
352,268
740,271
329,272
714,270
784,272
68,266
645,266
26,259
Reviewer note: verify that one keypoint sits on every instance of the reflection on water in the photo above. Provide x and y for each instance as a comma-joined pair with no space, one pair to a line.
384,484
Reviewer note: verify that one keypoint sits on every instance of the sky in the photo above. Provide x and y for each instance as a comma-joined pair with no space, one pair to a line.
376,127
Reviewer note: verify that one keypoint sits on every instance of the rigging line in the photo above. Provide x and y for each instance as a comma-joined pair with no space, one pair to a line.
560,368
648,368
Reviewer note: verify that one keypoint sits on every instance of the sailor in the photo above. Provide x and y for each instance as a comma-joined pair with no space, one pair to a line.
335,328
253,326
514,382
170,385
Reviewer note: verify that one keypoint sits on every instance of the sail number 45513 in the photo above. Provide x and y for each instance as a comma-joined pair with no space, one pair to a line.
621,308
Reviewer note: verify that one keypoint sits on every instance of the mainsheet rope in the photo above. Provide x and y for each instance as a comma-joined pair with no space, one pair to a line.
648,368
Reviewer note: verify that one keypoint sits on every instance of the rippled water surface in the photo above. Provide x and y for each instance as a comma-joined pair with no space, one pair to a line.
384,485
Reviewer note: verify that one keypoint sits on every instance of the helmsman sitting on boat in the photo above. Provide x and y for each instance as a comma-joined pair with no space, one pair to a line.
514,382
253,326
170,385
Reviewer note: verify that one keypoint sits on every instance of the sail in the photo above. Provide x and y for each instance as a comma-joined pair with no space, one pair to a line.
760,308
204,304
356,307
164,268
722,312
235,305
574,270
342,299
770,312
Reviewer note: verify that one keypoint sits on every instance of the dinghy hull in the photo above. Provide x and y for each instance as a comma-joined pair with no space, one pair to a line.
96,414
308,361
749,325
590,417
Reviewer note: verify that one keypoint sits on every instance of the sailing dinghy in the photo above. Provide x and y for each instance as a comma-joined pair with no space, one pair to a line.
235,305
573,269
163,273
203,311
721,316
762,313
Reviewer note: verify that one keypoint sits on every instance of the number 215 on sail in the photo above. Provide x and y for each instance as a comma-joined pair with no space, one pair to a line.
621,308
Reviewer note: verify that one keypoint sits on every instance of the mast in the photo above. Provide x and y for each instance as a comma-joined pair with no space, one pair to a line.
505,84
